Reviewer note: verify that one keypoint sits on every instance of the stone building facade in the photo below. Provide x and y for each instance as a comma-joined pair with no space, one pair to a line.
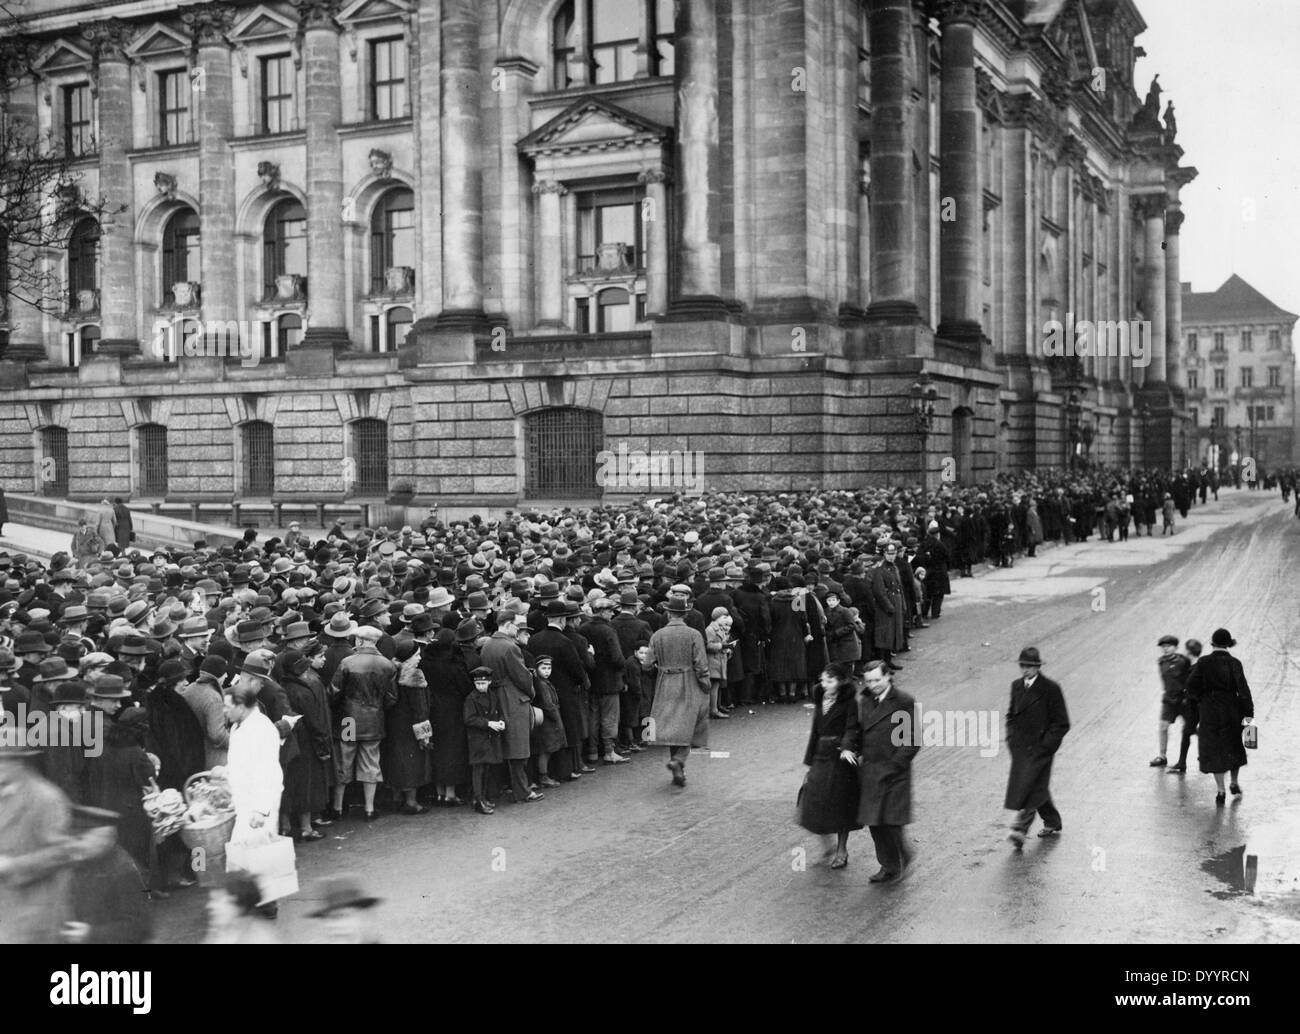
451,249
1240,375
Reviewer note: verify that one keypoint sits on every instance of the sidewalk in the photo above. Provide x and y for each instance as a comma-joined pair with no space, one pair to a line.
40,543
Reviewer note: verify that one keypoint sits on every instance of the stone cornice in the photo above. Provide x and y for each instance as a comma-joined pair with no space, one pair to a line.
108,40
316,14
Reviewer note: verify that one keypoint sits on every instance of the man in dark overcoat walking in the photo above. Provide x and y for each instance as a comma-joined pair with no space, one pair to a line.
887,741
1036,724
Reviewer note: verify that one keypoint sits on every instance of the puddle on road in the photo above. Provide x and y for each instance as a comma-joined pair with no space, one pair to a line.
1265,869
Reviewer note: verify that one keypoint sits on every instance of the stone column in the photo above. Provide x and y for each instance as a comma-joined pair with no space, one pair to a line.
698,174
893,246
656,230
426,93
462,170
863,284
551,264
1151,209
961,216
215,124
119,332
1173,297
323,108
26,269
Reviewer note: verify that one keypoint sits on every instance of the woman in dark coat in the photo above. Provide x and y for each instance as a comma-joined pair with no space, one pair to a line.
307,779
828,802
122,524
815,655
118,778
405,760
449,685
1218,687
177,740
790,632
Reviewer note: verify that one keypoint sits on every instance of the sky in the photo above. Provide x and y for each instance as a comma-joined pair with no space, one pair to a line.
1232,70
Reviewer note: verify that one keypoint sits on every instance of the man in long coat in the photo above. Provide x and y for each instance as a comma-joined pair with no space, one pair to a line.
568,676
888,609
503,655
886,741
1036,724
679,717
933,556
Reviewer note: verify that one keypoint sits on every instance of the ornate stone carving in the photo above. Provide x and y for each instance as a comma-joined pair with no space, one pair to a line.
1171,123
400,280
108,39
1173,223
1149,206
316,14
209,23
550,187
67,198
949,11
166,184
269,174
988,96
381,163
655,175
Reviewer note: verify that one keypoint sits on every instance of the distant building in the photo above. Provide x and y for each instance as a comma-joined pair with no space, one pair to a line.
466,246
1240,370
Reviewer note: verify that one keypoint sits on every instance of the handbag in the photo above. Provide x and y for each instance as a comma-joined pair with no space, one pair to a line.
1250,737
269,860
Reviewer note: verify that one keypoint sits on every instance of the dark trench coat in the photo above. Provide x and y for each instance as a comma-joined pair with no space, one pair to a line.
449,685
1036,724
828,801
1218,686
885,774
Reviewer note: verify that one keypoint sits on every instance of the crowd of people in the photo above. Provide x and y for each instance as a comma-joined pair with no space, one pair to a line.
388,671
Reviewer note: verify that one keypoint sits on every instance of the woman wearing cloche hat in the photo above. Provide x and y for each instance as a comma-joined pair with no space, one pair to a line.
1218,686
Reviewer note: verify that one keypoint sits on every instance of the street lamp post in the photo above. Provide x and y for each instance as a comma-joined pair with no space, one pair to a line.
924,397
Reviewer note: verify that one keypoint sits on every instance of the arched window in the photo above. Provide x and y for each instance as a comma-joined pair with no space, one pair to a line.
614,311
180,252
399,324
560,446
392,237
370,453
52,464
258,443
613,30
151,471
284,243
288,332
83,265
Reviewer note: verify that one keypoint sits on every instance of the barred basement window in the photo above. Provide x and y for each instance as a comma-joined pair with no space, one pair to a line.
259,459
370,450
152,475
53,464
560,448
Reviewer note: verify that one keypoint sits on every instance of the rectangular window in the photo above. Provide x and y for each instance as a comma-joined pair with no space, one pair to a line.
663,34
1191,343
277,94
1220,416
615,31
1274,339
1220,379
1247,377
1218,341
1271,417
1275,376
1194,415
173,108
606,218
76,120
388,78
1193,379
1247,342
582,322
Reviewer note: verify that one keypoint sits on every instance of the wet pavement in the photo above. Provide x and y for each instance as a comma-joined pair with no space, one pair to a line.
1145,856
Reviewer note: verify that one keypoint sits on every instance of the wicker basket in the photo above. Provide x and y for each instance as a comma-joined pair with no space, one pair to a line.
210,838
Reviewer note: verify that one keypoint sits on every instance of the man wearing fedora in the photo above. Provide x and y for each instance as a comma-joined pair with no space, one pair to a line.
503,655
679,716
365,685
344,907
1036,724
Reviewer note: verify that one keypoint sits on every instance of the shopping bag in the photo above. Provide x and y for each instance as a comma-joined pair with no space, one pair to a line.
1250,737
270,861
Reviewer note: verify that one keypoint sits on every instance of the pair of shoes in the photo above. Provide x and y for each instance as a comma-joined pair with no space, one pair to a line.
632,748
482,808
1050,831
840,861
1159,761
679,772
882,876
1219,798
454,802
1234,789
371,816
1017,838
614,759
547,781
308,835
1177,769
333,815
412,809
534,796
587,769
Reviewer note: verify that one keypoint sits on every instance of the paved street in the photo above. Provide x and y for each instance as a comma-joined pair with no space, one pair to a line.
1145,856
